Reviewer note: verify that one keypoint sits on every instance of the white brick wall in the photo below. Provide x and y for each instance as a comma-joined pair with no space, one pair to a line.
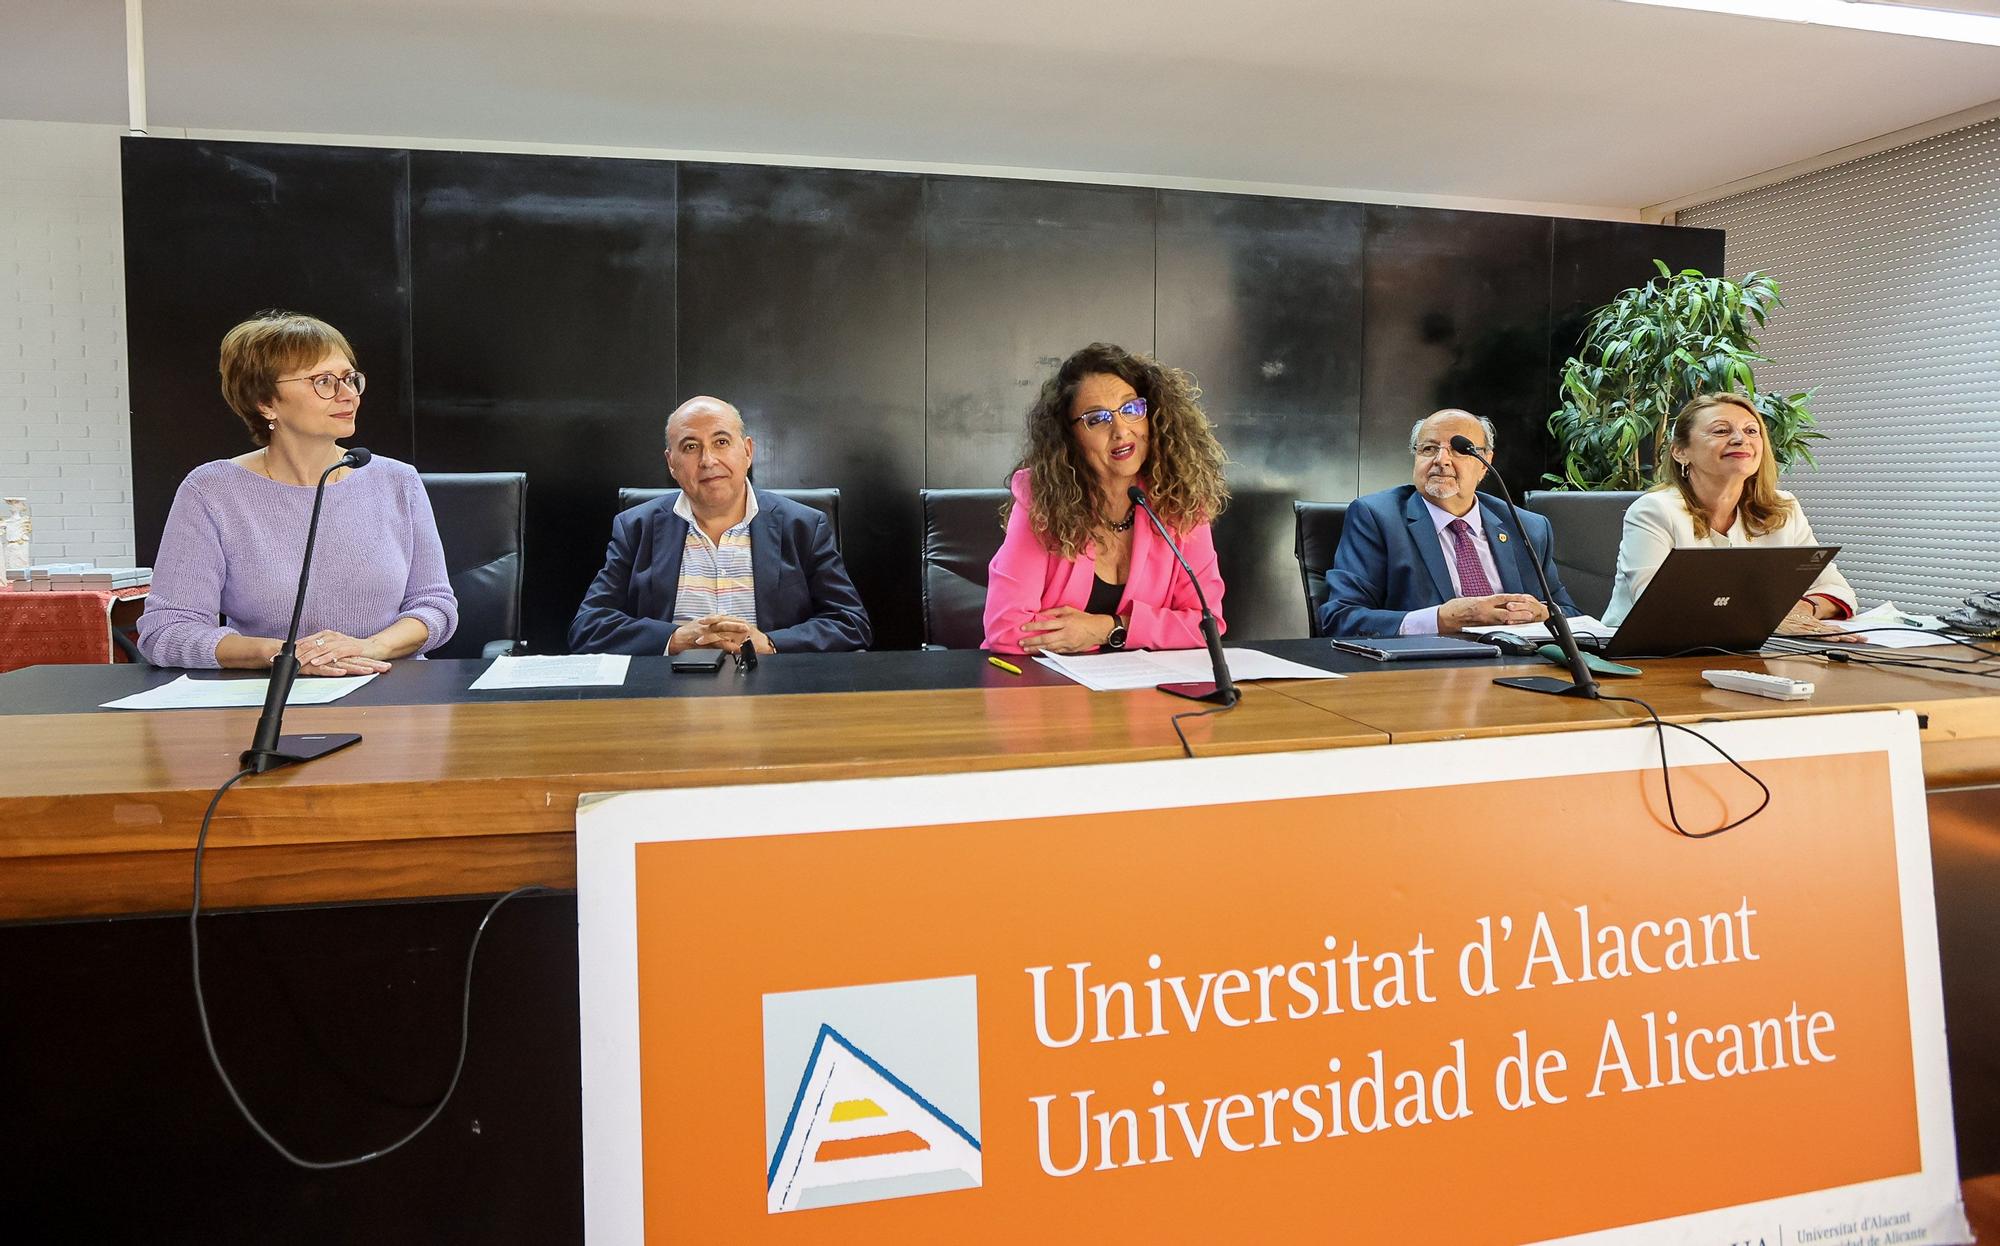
65,423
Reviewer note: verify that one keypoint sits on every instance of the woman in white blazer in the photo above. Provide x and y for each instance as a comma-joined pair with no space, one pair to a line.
1719,486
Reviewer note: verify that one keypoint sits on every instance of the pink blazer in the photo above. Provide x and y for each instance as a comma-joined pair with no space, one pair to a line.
1026,577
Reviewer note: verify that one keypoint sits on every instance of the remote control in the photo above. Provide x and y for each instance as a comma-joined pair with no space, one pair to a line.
1777,687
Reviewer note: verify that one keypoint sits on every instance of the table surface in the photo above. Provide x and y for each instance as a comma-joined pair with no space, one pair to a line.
456,793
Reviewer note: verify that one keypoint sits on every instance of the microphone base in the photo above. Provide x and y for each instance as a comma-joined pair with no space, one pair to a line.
1209,692
1545,683
293,749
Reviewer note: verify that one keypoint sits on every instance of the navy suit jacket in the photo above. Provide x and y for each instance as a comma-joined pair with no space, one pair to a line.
805,602
1390,563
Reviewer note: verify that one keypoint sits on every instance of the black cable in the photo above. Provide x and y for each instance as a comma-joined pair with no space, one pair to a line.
208,1037
1176,720
1856,655
1941,637
1660,727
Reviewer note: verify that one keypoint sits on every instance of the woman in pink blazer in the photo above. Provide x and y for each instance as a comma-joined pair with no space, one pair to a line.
1081,568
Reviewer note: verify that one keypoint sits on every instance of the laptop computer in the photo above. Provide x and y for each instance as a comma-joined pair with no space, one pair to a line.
1717,599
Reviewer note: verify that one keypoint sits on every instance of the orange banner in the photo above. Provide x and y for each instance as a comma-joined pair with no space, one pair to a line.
1500,1011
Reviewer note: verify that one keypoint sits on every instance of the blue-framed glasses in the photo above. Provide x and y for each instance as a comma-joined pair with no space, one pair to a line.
1133,412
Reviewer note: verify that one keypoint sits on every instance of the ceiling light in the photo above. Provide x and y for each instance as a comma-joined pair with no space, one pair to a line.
1890,18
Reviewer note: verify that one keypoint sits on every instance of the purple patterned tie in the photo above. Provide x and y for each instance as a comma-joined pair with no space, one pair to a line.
1472,580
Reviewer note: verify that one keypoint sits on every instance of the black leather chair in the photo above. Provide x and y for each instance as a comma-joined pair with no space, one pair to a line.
962,532
482,522
825,501
1317,535
1587,528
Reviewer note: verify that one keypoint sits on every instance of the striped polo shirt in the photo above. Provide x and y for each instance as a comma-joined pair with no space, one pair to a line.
716,576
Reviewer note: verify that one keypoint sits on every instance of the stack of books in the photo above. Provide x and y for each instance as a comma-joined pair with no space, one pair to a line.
75,577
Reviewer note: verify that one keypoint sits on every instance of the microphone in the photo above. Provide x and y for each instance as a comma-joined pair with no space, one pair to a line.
1584,684
268,750
1222,692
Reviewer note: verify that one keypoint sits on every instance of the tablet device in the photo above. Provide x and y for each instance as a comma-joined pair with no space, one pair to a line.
699,660
1412,648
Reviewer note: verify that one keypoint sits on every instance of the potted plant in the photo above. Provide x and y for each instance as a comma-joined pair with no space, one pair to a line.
1647,352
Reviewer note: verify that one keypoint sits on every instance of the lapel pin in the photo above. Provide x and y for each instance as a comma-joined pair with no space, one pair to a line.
1503,538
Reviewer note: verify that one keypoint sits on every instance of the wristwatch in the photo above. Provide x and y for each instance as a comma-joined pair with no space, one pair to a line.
1116,640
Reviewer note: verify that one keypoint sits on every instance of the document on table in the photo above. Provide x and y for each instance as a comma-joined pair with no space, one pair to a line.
1536,633
200,694
1141,668
1887,615
583,670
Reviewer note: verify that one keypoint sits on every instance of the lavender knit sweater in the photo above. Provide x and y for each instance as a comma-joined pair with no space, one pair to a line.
232,546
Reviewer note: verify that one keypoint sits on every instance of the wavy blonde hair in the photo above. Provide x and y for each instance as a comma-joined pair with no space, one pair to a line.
1761,509
1184,462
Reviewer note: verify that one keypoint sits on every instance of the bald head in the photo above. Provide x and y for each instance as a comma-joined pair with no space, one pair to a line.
709,456
703,405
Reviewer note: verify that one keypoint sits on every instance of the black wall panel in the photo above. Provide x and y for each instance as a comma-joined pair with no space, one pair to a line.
215,232
542,328
1458,316
1261,300
802,303
1021,274
882,332
1593,260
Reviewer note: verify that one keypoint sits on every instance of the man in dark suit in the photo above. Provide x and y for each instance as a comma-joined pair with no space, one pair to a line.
722,565
1436,556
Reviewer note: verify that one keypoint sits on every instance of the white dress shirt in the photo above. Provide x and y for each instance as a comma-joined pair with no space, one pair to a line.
1425,622
1658,523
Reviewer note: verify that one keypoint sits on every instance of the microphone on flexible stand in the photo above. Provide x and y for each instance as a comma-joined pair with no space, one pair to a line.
1223,691
1584,685
269,750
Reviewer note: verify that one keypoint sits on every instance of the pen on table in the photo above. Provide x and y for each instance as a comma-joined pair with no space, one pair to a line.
1009,667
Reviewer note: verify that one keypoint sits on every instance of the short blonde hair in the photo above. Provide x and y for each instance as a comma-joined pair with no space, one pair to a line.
261,349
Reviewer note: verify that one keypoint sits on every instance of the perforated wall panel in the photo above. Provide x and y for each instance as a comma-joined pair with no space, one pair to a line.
1890,270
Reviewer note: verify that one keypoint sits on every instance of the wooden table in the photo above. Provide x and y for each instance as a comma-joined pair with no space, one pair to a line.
340,1017
1960,711
98,811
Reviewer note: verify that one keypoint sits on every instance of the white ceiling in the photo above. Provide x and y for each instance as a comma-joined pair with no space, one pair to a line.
1586,102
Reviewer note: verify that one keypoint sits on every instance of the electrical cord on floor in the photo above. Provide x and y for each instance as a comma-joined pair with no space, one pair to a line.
208,1037
1660,728
1185,746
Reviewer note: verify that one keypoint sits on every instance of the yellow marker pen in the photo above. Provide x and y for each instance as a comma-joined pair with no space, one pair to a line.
1009,667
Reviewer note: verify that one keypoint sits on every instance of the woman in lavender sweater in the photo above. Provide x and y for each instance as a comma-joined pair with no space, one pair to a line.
228,566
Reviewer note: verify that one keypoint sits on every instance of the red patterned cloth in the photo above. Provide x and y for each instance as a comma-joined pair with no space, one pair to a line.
38,629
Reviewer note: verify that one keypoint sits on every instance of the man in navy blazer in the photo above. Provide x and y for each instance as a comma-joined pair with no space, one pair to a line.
720,565
1436,556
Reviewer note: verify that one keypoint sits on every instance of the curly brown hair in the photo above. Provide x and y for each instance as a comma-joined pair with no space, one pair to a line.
1184,462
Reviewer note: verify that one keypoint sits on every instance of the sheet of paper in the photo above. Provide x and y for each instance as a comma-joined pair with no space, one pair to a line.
1140,668
1887,615
583,670
1579,625
200,694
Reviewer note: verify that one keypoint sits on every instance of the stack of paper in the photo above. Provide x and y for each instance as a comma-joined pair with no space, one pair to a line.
1887,615
1140,668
